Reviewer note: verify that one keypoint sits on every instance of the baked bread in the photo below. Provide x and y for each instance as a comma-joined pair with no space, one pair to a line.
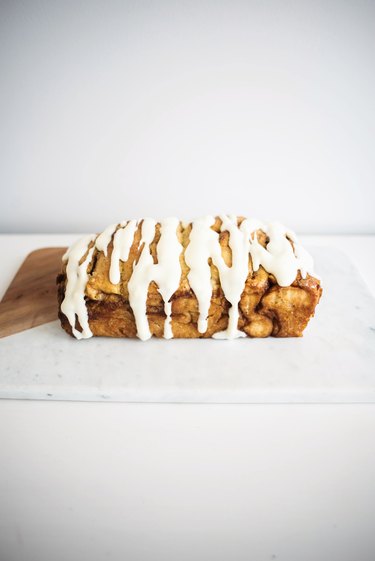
222,277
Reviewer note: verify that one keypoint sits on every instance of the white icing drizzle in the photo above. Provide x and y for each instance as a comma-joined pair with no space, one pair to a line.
102,241
233,278
166,273
204,244
197,254
278,258
122,242
74,304
305,261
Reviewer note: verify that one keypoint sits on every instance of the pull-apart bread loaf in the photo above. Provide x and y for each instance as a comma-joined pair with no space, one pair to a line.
222,277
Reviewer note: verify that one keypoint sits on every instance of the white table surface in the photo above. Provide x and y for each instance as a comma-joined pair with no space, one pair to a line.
95,481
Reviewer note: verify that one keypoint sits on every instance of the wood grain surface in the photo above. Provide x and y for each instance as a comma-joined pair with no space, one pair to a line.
31,298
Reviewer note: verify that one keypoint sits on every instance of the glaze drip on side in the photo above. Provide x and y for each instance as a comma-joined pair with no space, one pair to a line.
74,305
122,242
166,273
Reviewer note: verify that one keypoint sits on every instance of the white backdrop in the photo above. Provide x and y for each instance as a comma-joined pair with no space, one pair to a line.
113,110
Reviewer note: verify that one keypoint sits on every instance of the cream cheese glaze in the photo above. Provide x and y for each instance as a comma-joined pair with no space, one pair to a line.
283,257
166,273
74,305
122,242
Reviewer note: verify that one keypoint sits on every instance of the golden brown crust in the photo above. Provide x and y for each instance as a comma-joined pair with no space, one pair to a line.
265,307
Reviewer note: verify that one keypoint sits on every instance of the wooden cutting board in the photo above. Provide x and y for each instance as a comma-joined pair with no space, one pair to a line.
31,298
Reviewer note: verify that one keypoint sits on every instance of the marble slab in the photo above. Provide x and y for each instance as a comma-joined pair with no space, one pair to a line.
333,363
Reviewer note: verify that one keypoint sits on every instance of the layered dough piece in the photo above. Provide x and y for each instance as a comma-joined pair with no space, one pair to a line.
222,277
